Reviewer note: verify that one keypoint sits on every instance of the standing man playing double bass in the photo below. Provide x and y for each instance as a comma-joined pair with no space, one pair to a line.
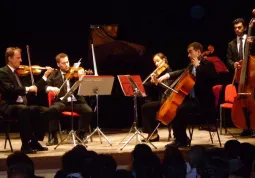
236,51
200,99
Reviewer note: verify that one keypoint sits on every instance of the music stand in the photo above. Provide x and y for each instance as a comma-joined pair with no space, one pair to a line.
72,133
96,85
132,86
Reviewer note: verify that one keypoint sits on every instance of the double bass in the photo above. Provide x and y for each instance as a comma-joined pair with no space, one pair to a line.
183,86
243,110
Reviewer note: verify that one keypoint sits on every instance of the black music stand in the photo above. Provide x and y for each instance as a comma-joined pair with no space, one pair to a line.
132,86
96,85
72,133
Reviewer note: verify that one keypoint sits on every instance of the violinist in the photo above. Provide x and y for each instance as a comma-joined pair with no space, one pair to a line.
149,110
60,85
200,99
15,103
235,52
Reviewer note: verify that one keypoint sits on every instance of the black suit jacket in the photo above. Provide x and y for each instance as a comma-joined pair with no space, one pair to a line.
56,80
204,82
10,89
232,53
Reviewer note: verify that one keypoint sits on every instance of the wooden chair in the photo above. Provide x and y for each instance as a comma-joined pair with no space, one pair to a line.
7,121
229,96
211,128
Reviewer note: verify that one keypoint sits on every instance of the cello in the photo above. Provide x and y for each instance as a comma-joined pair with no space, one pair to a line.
183,86
243,110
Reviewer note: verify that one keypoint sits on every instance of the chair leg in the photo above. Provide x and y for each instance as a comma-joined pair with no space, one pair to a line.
191,130
224,121
7,137
60,131
90,131
211,137
218,135
169,132
220,119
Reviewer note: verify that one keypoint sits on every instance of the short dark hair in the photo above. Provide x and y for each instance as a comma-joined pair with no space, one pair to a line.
196,46
9,52
60,55
238,20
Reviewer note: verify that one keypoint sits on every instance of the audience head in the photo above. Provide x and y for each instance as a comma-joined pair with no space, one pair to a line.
104,166
174,164
232,149
145,162
19,165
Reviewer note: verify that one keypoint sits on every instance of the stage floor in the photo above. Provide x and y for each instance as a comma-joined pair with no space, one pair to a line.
52,159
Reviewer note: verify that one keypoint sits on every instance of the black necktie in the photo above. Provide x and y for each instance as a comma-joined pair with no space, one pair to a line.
241,48
18,80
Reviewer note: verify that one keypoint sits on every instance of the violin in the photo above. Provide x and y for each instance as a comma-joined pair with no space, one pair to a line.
161,68
24,70
73,72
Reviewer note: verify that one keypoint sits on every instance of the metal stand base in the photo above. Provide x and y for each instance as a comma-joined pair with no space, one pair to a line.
98,130
72,134
153,132
137,133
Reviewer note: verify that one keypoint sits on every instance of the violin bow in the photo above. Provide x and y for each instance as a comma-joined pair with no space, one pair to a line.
30,66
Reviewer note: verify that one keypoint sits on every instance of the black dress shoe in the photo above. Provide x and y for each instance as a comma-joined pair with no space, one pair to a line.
154,138
37,146
53,141
246,133
178,143
27,150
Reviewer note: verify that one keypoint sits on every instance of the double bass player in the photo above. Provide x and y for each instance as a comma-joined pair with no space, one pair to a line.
235,53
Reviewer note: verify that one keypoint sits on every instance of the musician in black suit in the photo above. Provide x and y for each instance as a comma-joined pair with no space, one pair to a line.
200,99
236,50
15,92
149,109
233,53
55,84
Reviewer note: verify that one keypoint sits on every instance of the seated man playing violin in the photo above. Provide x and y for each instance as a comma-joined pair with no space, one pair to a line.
15,102
60,85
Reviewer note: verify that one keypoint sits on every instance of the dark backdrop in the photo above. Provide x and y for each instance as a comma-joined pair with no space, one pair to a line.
161,26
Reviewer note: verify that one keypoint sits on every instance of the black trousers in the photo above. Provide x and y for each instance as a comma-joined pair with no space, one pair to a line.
149,113
55,110
184,114
32,124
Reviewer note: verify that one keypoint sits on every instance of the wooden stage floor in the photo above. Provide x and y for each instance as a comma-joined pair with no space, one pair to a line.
52,159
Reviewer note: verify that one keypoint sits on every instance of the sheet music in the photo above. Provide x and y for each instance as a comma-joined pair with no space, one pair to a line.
72,89
128,85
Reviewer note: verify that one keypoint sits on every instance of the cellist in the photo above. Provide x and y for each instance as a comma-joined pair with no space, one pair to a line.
200,99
